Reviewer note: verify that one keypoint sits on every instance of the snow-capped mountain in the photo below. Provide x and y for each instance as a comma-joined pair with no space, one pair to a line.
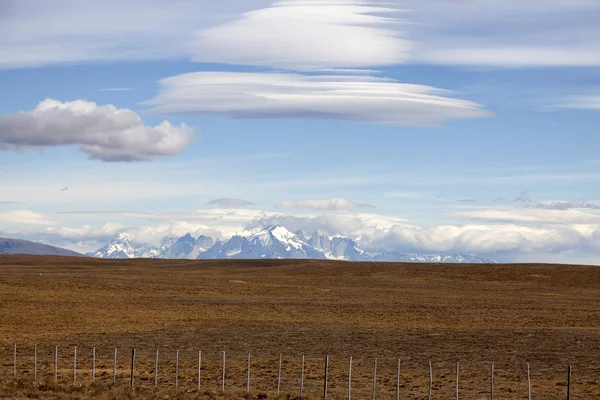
123,246
435,258
186,247
338,247
271,242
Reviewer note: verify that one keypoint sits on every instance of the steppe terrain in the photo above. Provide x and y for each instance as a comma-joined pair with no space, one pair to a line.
511,315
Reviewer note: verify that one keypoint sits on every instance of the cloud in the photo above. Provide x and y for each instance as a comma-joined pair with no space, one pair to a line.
563,205
531,215
9,203
335,34
506,34
103,132
25,217
467,200
582,102
278,95
116,89
231,203
379,233
35,33
523,197
64,189
328,204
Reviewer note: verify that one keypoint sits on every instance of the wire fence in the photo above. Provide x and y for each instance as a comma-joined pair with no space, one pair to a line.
301,376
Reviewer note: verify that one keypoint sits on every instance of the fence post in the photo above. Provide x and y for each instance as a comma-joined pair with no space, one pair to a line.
223,377
457,372
75,364
132,366
35,363
350,379
374,377
115,367
325,378
430,380
176,369
56,364
248,378
199,367
93,364
492,382
528,383
398,382
302,377
569,385
15,360
279,374
156,371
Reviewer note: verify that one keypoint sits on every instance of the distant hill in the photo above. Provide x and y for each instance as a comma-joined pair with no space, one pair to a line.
17,246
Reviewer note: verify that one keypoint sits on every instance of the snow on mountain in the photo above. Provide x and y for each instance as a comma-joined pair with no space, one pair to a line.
435,258
123,246
338,247
271,242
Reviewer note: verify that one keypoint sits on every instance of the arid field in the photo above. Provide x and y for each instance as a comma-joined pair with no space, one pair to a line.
511,315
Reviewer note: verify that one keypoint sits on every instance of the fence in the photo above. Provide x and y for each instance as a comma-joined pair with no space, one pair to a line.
305,376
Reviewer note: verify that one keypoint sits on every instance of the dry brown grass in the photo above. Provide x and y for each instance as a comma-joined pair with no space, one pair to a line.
545,315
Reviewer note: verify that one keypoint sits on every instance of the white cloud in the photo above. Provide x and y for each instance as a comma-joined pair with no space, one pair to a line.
116,89
327,204
562,205
301,35
103,132
531,215
231,203
35,33
582,102
274,95
25,217
506,33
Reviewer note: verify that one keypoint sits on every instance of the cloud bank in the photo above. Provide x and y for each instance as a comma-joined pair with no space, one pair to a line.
231,203
102,132
328,204
277,95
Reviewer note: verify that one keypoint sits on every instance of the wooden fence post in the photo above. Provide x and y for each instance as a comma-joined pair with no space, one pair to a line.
398,381
374,378
302,377
115,367
132,366
325,378
223,377
430,380
528,383
176,369
156,371
350,380
248,377
569,385
492,382
56,364
279,374
199,367
35,364
457,372
75,364
93,364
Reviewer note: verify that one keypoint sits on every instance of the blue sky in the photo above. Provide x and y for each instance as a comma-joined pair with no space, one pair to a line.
411,125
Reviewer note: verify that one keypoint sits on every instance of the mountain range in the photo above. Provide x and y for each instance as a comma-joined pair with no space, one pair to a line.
269,243
17,246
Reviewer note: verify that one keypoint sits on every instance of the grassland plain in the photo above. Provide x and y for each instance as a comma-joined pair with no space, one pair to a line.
545,315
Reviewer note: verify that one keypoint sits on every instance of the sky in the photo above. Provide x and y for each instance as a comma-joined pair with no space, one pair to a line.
416,126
